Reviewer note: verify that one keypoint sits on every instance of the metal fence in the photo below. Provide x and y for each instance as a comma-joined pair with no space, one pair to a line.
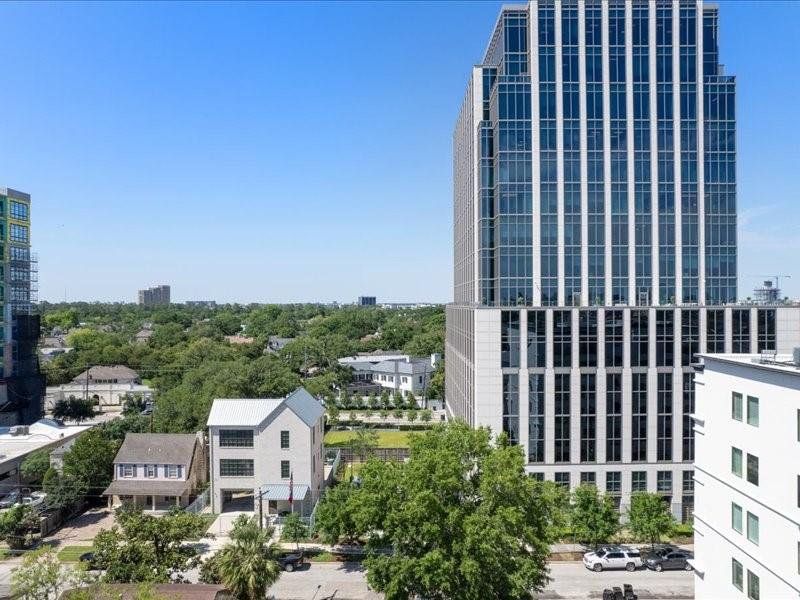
200,502
398,454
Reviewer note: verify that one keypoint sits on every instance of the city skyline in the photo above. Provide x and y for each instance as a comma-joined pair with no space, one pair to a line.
98,147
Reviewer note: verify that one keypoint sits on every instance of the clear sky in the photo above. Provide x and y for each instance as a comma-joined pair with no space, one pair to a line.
300,152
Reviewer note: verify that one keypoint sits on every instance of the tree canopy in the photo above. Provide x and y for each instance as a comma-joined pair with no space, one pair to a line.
189,362
649,517
461,516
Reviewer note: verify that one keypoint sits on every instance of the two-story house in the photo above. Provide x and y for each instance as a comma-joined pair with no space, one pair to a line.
268,452
156,471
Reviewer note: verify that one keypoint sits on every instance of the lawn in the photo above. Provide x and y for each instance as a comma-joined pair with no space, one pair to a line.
73,553
386,438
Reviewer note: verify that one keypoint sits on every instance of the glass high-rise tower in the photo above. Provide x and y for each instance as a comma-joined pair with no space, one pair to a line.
595,239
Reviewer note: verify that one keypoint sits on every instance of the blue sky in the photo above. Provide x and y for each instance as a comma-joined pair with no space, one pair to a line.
296,152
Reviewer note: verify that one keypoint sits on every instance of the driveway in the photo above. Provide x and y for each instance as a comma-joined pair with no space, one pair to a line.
83,528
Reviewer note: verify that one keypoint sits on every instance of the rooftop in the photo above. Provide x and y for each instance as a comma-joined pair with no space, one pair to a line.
105,373
160,448
41,434
779,363
251,412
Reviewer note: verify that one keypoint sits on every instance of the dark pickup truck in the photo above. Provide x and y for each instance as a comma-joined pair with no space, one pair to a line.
290,562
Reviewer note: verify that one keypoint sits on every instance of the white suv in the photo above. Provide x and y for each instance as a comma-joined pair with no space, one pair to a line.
613,557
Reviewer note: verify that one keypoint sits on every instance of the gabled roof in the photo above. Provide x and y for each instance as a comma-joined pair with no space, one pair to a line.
252,412
105,373
305,406
241,412
157,448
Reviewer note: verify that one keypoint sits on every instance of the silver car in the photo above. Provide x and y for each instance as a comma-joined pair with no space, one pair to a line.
613,558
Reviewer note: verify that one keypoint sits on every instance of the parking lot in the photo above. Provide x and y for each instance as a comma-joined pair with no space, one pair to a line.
571,580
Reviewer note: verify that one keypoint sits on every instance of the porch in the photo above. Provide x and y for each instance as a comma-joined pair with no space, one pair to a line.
150,496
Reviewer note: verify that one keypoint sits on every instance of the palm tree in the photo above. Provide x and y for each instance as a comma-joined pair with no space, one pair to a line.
247,566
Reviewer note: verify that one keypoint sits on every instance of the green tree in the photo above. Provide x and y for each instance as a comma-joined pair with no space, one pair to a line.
384,413
397,413
17,526
35,466
333,415
41,576
463,519
89,463
649,517
412,415
435,388
592,516
143,548
411,400
363,443
385,398
374,401
247,566
74,409
63,492
426,415
335,519
397,399
294,529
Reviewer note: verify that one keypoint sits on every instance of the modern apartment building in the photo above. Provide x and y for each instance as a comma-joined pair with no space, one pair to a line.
367,301
21,383
155,296
595,240
747,470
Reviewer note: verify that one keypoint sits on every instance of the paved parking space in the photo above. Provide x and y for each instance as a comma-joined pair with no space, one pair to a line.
571,580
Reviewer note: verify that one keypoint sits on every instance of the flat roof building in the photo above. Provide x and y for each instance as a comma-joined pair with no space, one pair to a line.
747,474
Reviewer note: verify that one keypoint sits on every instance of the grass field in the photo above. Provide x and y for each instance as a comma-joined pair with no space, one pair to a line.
386,439
72,553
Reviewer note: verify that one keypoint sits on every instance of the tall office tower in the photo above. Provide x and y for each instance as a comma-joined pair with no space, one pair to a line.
595,240
21,382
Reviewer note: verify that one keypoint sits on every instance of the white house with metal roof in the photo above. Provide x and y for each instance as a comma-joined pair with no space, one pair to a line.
266,454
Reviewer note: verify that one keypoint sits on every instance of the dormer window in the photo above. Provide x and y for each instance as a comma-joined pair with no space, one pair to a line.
150,471
173,471
127,470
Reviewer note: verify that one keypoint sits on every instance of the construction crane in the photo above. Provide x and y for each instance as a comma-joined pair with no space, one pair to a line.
769,293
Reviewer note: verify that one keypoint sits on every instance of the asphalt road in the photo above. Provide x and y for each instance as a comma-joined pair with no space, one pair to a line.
571,580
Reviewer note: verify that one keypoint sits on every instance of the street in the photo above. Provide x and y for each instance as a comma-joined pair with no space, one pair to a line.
571,580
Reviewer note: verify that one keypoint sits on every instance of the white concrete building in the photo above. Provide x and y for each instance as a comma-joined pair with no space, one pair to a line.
395,372
747,474
269,447
107,386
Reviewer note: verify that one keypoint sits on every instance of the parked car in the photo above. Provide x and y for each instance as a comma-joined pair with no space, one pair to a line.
10,500
612,557
88,559
669,558
290,562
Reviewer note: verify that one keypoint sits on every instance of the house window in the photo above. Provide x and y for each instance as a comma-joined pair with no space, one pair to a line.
752,411
753,586
639,481
404,379
664,482
236,467
150,471
752,469
128,470
736,462
286,469
736,517
737,574
613,482
284,440
173,471
752,528
562,479
736,406
588,478
235,438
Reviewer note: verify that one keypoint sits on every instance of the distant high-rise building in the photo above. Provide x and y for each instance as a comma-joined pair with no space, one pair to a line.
21,384
595,240
367,300
155,296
